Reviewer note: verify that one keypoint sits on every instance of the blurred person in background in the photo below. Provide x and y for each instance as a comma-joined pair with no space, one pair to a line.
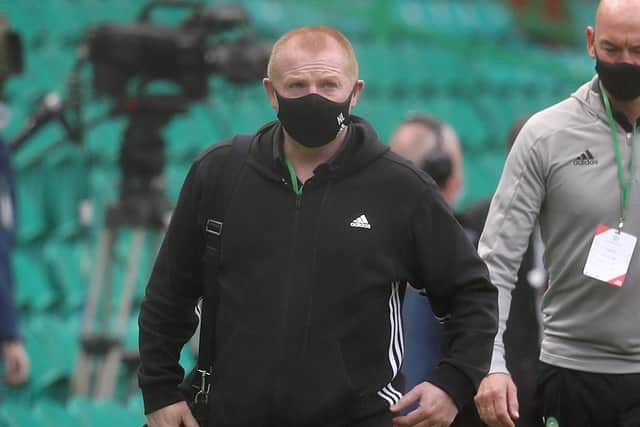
12,351
16,361
433,147
308,325
573,168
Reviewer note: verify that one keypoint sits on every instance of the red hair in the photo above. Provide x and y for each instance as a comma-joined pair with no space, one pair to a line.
314,38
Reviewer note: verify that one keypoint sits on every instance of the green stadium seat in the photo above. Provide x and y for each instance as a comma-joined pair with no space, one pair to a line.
187,358
17,415
102,413
183,141
463,117
188,135
104,189
4,421
482,172
49,413
32,221
70,265
381,114
104,141
32,285
52,345
66,189
375,65
249,111
211,127
488,19
135,404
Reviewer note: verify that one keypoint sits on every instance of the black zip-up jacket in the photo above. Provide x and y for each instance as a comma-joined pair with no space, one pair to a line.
308,326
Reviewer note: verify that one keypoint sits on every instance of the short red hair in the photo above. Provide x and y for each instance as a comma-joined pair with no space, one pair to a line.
314,38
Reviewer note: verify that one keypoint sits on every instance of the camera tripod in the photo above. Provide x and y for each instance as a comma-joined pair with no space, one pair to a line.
144,208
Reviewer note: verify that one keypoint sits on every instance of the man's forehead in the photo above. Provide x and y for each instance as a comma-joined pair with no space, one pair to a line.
297,51
413,136
309,53
303,52
413,129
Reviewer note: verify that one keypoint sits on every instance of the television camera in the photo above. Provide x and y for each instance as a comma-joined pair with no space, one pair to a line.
126,59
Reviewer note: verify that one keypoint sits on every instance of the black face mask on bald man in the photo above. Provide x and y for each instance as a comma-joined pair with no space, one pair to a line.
622,80
313,120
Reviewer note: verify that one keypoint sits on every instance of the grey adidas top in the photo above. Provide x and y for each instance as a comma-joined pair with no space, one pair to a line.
562,172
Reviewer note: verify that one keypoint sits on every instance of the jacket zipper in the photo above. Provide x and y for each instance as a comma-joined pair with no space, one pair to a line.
292,257
314,270
279,386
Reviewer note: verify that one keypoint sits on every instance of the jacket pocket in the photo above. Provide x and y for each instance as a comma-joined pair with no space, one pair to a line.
319,390
242,380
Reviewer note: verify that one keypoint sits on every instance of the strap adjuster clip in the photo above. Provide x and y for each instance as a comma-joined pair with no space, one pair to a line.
202,396
213,227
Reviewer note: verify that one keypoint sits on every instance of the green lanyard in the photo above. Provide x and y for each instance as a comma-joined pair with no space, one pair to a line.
294,177
625,187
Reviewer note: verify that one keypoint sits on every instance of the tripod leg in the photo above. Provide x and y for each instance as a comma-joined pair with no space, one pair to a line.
82,377
109,373
153,242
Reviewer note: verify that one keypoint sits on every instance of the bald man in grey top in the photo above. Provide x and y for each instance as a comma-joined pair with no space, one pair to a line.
574,169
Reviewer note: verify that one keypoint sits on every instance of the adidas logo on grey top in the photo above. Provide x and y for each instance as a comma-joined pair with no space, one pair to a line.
585,159
361,222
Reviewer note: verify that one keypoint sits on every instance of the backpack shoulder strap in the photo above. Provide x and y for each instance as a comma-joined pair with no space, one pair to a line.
219,195
216,203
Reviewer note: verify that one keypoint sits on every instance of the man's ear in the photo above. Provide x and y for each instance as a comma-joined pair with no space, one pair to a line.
590,34
271,92
357,89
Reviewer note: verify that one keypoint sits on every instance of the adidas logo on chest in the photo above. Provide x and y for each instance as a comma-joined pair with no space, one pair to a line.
360,222
585,159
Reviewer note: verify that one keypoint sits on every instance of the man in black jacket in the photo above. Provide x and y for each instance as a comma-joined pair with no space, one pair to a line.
324,227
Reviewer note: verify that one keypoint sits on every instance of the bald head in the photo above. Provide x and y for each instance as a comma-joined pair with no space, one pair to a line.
311,39
420,139
616,7
623,14
616,36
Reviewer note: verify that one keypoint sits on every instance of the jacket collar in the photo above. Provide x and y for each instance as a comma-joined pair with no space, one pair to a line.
360,148
279,158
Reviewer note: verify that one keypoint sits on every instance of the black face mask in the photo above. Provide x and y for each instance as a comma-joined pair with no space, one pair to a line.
313,120
622,80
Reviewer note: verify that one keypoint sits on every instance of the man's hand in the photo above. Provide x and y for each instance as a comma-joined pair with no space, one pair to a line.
435,407
497,400
176,415
16,362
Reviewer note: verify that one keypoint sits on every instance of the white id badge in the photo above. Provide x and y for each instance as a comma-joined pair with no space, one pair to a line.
610,255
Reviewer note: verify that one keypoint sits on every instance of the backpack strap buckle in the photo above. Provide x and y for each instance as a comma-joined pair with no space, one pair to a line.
213,227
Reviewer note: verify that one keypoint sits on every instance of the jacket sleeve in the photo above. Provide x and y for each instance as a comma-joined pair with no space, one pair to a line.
456,281
8,309
510,222
167,317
